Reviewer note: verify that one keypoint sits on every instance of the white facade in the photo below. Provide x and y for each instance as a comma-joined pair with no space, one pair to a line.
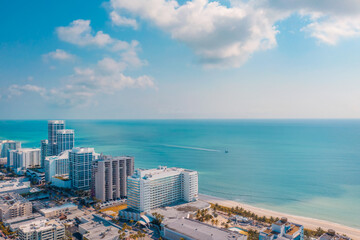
57,165
149,189
6,145
13,205
109,177
21,159
42,230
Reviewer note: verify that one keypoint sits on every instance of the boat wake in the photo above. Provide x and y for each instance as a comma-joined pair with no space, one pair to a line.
191,148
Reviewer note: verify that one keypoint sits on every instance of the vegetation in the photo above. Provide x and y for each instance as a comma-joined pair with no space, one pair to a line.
6,230
203,215
242,212
158,218
253,235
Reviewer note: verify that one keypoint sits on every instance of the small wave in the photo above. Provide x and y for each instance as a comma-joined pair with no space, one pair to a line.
192,148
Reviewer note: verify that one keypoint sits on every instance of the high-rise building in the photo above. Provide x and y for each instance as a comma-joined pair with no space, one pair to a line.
154,188
109,177
53,127
64,140
42,230
44,151
80,167
23,158
57,166
6,145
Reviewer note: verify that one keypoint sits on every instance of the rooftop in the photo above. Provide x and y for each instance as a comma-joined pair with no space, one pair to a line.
23,150
83,150
160,172
63,155
173,213
64,206
99,230
9,199
41,225
13,185
56,121
202,231
65,131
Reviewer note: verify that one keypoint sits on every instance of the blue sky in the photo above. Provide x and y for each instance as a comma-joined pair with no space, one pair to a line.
169,59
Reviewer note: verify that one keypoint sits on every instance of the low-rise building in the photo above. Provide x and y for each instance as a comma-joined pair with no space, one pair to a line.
94,230
57,211
153,188
17,185
194,230
37,175
42,230
284,230
13,205
61,181
332,235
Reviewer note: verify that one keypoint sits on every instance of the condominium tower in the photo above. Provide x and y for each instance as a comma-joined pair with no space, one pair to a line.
153,188
57,166
109,177
80,167
44,147
53,127
6,145
23,158
64,140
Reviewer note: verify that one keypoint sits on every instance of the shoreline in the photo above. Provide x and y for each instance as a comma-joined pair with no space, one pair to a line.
309,223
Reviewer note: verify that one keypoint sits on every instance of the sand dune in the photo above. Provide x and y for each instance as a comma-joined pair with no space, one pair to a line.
309,223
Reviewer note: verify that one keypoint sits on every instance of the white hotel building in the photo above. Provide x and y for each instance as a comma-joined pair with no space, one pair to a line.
154,188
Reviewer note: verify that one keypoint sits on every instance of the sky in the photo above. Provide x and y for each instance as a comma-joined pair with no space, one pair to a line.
170,59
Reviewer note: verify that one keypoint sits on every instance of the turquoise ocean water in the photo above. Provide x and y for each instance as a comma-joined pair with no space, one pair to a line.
304,167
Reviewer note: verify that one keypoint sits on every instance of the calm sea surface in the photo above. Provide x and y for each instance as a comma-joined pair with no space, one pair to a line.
304,167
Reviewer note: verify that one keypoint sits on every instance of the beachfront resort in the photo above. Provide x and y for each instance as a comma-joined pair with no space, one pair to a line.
63,191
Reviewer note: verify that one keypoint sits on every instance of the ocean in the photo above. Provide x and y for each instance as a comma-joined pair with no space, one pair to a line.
304,167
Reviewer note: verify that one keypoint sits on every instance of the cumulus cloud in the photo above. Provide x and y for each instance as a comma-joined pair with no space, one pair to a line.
86,83
79,32
119,20
228,35
82,87
58,54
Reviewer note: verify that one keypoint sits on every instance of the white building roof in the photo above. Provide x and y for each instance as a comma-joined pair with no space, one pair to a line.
65,131
83,150
41,225
157,173
56,121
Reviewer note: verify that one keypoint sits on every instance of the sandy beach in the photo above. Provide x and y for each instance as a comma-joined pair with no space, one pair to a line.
309,223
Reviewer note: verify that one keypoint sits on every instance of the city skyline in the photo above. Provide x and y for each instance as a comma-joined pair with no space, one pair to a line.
198,59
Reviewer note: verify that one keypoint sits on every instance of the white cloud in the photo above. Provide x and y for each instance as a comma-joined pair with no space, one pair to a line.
82,87
58,54
80,33
119,20
219,35
333,29
226,36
